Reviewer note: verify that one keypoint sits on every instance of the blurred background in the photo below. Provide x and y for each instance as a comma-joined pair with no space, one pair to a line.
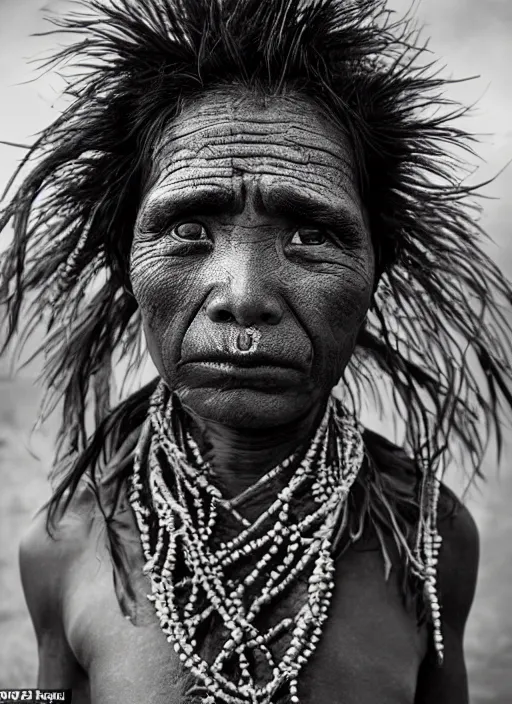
473,38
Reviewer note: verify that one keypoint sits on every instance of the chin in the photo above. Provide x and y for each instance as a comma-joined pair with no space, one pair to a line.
246,408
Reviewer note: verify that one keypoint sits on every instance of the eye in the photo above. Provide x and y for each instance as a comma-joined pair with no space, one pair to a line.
309,236
190,232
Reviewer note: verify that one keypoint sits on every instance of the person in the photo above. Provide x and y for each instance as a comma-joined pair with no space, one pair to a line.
272,192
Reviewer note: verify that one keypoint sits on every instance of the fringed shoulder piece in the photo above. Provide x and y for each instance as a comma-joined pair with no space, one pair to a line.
436,349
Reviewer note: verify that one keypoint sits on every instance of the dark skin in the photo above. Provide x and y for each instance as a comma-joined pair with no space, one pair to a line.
251,217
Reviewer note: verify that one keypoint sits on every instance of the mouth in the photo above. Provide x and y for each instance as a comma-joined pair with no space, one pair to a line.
255,371
245,360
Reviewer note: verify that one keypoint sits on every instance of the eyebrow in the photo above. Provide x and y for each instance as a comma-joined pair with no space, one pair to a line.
279,200
283,200
158,212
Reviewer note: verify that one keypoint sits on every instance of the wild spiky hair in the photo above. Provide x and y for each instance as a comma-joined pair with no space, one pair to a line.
437,328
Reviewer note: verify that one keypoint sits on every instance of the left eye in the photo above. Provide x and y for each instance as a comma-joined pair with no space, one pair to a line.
190,231
309,236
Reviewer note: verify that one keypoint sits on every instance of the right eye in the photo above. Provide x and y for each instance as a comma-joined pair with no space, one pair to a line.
309,236
190,232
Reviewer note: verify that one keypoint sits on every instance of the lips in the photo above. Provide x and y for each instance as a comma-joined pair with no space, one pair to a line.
257,371
247,361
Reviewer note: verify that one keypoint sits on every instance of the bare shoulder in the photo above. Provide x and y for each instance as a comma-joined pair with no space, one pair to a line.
456,522
458,559
459,555
47,557
47,552
457,576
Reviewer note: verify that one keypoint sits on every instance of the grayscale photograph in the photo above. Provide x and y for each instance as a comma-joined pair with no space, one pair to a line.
256,351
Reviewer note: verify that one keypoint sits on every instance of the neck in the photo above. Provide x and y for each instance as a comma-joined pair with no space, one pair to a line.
240,456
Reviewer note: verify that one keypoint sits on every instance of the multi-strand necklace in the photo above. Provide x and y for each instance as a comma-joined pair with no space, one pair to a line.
197,579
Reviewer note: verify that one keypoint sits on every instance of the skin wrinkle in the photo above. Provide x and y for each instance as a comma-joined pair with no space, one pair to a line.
244,142
195,183
268,170
242,139
180,161
317,295
265,240
245,148
230,100
334,204
176,163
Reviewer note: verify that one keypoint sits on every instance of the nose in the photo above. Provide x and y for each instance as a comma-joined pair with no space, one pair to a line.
244,303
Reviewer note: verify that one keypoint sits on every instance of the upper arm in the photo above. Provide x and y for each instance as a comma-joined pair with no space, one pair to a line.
457,575
43,564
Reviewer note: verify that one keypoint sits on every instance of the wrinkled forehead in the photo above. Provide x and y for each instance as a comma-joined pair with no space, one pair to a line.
225,139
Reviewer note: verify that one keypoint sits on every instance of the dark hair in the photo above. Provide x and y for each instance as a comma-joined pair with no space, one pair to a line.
437,329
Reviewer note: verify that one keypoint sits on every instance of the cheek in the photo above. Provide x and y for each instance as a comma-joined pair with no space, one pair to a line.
336,307
158,283
351,297
164,294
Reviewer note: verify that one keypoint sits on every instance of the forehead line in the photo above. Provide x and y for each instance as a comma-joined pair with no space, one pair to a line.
294,122
220,144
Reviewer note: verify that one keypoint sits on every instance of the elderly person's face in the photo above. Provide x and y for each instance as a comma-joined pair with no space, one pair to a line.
252,219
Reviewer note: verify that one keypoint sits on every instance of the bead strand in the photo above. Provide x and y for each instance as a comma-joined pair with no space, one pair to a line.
280,550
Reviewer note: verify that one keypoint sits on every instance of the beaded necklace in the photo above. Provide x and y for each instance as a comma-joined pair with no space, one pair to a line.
195,578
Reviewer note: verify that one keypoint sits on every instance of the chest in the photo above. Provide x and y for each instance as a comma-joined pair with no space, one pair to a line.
370,649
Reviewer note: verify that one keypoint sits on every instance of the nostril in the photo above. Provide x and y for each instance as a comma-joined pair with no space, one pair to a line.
221,315
248,312
270,317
